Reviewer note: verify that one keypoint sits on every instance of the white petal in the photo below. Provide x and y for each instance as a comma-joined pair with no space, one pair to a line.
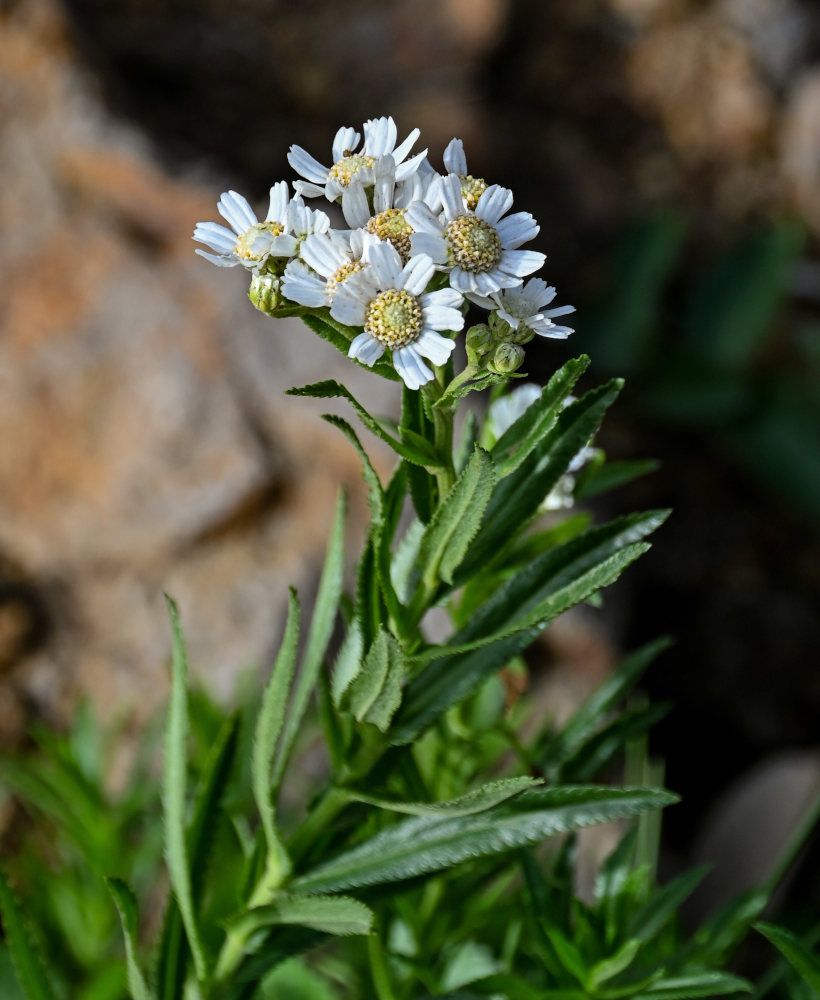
236,210
217,237
431,246
517,229
283,245
422,219
345,141
303,286
366,349
279,200
411,368
451,197
379,136
454,159
409,167
347,306
487,282
216,259
442,318
306,190
538,293
354,206
386,264
384,173
446,297
557,332
462,280
521,262
400,152
431,345
493,203
303,163
559,311
322,254
416,274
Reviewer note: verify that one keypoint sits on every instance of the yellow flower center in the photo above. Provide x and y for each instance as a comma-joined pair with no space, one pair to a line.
344,169
472,188
394,318
473,244
245,244
392,227
340,274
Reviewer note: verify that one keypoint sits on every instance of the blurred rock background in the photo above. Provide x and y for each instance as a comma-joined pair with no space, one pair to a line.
144,440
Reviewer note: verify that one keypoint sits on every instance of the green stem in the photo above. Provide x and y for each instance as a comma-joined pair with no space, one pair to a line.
378,969
319,819
442,433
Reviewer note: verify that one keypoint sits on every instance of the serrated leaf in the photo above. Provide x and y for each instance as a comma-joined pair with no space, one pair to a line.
422,844
698,984
804,963
517,497
374,693
318,639
338,915
174,792
27,962
478,800
457,520
269,723
423,489
127,907
601,479
348,662
404,562
521,437
421,452
375,495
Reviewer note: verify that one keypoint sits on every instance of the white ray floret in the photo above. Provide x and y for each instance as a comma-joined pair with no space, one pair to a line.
250,242
455,162
524,308
389,302
480,248
353,167
325,261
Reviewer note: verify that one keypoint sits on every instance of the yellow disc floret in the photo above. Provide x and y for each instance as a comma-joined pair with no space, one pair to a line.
472,188
473,244
350,164
394,318
245,247
340,274
392,227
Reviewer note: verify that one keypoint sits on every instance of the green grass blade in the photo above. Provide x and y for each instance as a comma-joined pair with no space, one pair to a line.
127,907
804,963
174,793
27,962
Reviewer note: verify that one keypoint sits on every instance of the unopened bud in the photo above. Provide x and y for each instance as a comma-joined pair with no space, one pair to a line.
479,340
264,292
507,359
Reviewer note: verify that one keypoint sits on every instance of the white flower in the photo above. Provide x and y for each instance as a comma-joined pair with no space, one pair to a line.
524,308
481,247
504,412
250,242
472,188
352,169
327,259
390,303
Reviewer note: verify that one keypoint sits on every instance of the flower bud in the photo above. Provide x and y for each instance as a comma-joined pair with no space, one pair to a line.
507,359
264,292
479,340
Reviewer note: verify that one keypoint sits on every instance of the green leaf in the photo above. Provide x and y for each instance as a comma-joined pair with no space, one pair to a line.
293,980
127,907
404,572
174,791
374,693
420,453
269,724
324,326
457,520
421,844
375,496
722,933
348,662
27,962
698,984
478,800
804,963
423,490
338,915
519,440
517,497
595,480
608,968
318,639
663,904
466,442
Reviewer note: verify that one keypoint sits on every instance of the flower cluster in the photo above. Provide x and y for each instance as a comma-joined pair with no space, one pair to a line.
418,247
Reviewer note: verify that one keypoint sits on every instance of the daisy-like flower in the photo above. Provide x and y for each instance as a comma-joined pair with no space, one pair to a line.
390,303
325,261
352,168
472,188
250,242
480,247
524,309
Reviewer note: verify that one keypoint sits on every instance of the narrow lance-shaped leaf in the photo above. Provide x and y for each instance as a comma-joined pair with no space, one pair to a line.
457,520
174,792
480,799
698,984
127,907
375,692
338,915
804,963
321,628
266,737
27,962
421,845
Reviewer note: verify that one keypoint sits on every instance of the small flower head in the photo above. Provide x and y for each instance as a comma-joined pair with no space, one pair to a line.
326,260
524,311
480,248
389,302
507,359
